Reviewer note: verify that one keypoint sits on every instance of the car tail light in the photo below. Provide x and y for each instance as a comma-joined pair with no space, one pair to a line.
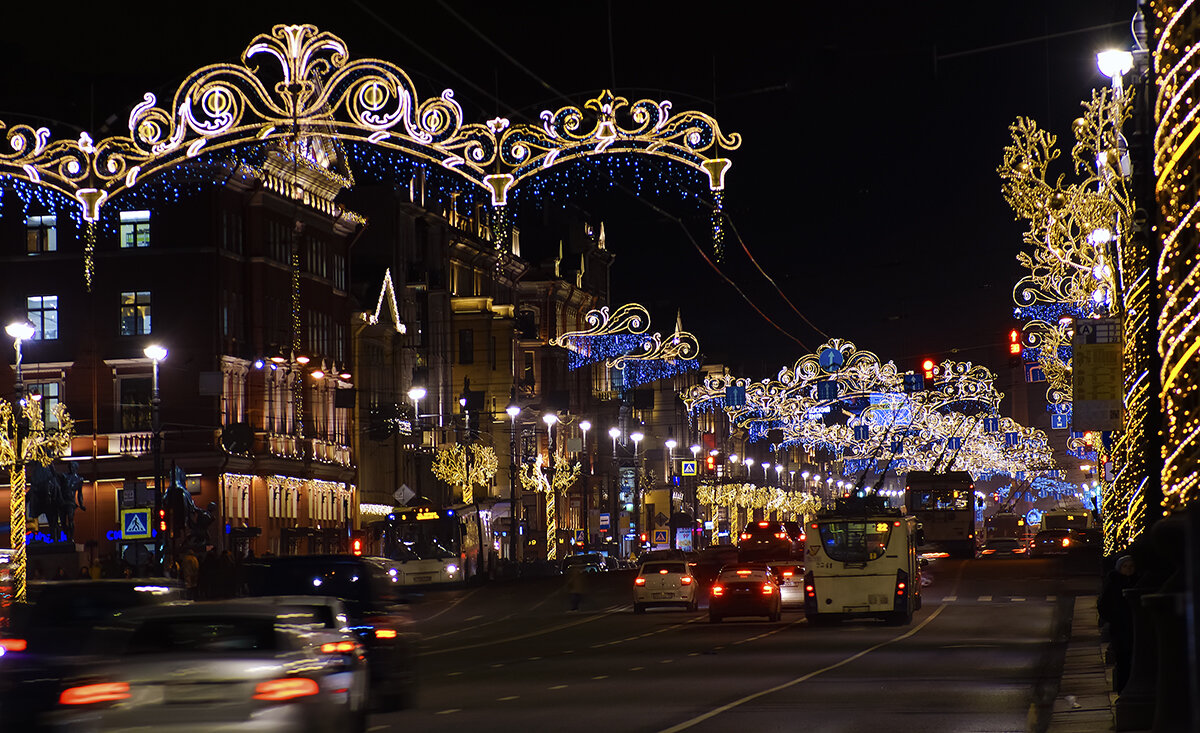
987,552
90,694
639,580
900,588
744,536
744,572
685,580
803,537
788,573
768,589
1066,541
13,645
718,590
810,589
763,524
285,688
1019,550
781,535
336,647
385,633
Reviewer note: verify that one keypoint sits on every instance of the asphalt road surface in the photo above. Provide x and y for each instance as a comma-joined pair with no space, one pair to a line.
984,654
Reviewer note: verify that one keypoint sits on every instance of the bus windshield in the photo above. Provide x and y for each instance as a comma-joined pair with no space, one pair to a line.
855,542
433,538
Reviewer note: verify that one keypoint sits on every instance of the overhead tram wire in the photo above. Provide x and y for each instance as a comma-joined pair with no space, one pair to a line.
546,85
771,280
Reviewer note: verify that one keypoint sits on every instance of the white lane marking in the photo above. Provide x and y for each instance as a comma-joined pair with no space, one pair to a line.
447,712
503,640
558,687
636,669
600,677
453,603
949,599
475,617
374,728
729,706
497,666
507,698
1051,599
665,661
569,651
694,654
1016,600
984,599
534,659
453,674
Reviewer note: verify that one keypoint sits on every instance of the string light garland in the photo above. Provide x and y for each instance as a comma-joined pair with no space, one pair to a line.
453,466
553,484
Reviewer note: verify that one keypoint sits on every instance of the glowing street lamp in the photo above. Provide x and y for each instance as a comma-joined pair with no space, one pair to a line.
513,411
156,353
416,394
765,466
614,433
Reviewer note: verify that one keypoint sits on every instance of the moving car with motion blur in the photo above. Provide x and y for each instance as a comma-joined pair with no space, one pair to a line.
664,583
47,639
745,589
369,589
767,541
215,665
1004,547
588,562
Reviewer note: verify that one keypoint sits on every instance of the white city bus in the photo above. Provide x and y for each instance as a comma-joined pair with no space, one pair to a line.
861,561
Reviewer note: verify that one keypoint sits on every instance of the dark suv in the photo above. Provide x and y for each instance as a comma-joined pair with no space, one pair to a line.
369,589
768,541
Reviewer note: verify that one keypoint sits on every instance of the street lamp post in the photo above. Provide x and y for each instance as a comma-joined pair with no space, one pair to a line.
156,354
513,410
615,503
416,394
636,436
21,331
552,493
584,427
671,492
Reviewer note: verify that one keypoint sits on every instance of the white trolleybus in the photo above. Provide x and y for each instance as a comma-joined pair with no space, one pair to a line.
861,561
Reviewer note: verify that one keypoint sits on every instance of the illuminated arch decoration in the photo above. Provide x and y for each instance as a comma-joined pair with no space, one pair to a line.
386,291
299,82
609,334
752,496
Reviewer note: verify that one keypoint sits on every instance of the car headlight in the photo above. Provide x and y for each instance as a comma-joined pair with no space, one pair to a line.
452,568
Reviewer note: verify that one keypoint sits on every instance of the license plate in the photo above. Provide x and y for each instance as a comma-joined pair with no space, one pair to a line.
422,578
195,693
663,595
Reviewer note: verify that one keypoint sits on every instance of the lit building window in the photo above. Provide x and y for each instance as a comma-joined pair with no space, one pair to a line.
135,313
48,396
42,312
41,234
135,229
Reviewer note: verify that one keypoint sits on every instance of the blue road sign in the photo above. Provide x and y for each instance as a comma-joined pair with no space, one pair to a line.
688,468
991,424
831,360
660,536
580,536
735,396
954,443
604,521
862,432
1011,439
827,390
1058,421
914,382
135,524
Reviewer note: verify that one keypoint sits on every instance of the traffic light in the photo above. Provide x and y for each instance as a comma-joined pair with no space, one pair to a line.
356,546
927,367
710,463
1014,348
162,520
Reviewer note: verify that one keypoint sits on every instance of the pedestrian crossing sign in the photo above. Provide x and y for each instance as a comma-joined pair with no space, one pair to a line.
660,536
135,524
689,468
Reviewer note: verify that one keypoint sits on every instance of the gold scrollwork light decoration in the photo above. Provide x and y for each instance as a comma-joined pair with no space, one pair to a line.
631,318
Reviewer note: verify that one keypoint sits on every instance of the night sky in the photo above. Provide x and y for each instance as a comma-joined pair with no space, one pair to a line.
865,185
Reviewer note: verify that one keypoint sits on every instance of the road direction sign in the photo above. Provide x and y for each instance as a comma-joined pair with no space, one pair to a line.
604,517
135,524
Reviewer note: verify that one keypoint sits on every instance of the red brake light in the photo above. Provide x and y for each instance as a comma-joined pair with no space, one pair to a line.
803,537
718,590
334,647
781,535
788,573
639,580
768,589
385,633
662,572
285,688
744,536
744,572
1066,541
686,580
763,524
900,586
13,645
89,694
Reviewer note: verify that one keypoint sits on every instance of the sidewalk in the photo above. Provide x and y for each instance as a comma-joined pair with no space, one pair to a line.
1085,702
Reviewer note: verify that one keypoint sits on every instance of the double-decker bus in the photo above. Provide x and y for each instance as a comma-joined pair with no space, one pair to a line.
861,560
944,504
426,545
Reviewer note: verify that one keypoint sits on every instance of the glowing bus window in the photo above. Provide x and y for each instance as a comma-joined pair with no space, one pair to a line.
855,541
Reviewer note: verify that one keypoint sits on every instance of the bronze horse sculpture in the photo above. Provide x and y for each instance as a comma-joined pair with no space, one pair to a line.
55,494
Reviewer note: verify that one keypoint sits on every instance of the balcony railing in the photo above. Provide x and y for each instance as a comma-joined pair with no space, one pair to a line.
128,444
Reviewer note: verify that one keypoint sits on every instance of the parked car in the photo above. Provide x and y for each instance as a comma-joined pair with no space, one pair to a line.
369,588
48,638
221,665
745,589
664,583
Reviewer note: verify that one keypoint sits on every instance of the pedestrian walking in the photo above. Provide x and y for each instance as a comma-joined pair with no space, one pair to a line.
189,569
1116,612
576,585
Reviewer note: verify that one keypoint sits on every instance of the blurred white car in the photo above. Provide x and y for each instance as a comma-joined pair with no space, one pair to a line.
664,583
224,665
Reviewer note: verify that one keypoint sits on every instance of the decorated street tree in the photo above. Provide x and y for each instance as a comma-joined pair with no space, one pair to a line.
465,467
553,483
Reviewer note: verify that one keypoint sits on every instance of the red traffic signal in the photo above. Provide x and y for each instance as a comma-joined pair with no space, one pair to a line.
356,546
1014,342
927,366
711,463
